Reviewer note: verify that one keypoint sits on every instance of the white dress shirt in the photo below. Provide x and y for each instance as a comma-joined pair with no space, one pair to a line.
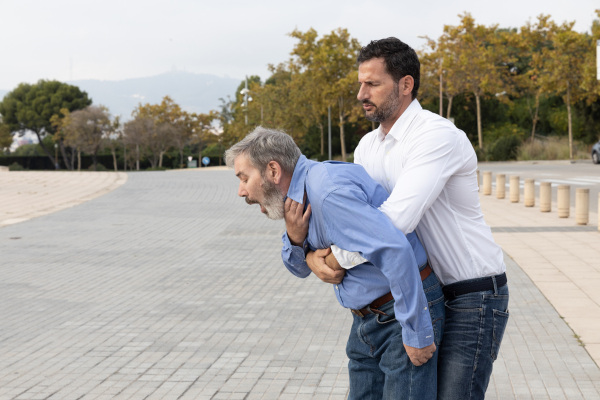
429,167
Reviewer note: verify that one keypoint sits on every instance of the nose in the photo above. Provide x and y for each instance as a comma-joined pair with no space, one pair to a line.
361,95
242,192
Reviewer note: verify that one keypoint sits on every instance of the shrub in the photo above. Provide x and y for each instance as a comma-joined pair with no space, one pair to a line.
16,167
552,148
505,148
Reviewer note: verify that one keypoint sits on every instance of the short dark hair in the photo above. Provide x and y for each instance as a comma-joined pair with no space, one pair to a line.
400,59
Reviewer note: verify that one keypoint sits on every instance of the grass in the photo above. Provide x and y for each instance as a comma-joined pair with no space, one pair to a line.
552,148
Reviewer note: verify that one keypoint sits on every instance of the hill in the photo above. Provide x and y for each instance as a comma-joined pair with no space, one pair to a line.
198,93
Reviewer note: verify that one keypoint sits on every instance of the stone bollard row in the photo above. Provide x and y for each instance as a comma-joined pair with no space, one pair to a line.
514,189
582,196
529,193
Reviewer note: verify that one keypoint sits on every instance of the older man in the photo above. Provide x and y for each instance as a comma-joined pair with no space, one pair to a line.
393,296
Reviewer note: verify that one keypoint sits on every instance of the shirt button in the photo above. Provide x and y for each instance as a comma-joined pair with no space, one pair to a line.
337,287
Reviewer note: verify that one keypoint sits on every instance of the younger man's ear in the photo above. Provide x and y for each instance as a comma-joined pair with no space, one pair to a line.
407,83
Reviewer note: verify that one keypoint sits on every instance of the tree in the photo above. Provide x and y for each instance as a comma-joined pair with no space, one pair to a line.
536,45
113,138
566,75
30,107
85,131
5,136
480,58
333,66
202,130
135,136
167,124
309,86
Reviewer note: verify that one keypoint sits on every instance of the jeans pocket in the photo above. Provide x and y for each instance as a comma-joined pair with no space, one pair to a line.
500,321
437,311
387,308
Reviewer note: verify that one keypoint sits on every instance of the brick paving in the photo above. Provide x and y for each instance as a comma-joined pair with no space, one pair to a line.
171,287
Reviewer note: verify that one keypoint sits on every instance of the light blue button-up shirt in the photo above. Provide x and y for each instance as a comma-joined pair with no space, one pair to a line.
344,202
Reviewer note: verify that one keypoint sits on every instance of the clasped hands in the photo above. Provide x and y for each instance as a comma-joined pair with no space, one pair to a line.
321,262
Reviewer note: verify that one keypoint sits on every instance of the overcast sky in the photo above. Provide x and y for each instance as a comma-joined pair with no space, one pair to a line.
119,39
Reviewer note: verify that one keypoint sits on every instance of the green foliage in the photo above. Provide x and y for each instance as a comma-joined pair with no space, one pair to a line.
29,150
504,148
97,167
5,136
15,167
32,106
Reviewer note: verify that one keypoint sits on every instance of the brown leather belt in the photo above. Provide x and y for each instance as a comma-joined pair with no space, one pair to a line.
373,308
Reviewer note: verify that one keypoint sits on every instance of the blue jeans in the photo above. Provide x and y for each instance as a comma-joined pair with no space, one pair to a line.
379,367
473,331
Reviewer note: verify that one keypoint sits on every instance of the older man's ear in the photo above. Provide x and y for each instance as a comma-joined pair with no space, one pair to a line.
274,172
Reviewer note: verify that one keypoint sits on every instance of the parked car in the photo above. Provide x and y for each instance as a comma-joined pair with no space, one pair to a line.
596,153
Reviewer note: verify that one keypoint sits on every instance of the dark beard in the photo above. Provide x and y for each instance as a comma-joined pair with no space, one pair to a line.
387,108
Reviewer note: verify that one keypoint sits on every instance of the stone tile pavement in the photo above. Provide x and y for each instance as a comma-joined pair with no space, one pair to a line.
171,287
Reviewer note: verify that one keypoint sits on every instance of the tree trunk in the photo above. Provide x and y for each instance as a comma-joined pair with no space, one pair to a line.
137,157
535,116
342,140
569,121
114,154
322,128
78,160
48,153
449,109
160,158
441,91
479,132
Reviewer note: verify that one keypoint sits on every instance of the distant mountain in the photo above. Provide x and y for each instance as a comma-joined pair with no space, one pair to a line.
198,93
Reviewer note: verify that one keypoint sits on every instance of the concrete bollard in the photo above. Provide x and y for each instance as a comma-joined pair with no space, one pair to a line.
582,206
500,186
487,183
564,201
529,193
545,196
514,189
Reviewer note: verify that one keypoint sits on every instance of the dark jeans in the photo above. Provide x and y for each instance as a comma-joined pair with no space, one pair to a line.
473,331
379,366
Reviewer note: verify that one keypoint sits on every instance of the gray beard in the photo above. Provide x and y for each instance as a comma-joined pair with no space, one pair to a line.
273,201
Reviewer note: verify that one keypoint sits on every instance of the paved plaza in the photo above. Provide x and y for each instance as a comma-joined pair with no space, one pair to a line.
169,286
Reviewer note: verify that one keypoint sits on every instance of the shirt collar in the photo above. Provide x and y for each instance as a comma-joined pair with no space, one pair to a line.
297,185
401,125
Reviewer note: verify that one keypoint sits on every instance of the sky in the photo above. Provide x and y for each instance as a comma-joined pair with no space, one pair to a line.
71,40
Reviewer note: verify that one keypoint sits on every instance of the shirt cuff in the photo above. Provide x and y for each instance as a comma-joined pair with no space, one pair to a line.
418,339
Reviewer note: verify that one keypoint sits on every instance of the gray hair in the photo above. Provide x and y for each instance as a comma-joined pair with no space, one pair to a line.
264,145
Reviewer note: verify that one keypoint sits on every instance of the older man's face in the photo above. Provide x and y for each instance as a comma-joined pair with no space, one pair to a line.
257,189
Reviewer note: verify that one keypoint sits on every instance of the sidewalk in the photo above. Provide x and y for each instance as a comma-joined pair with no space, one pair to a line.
171,287
562,258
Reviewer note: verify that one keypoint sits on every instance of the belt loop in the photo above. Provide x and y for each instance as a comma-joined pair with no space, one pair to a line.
495,285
